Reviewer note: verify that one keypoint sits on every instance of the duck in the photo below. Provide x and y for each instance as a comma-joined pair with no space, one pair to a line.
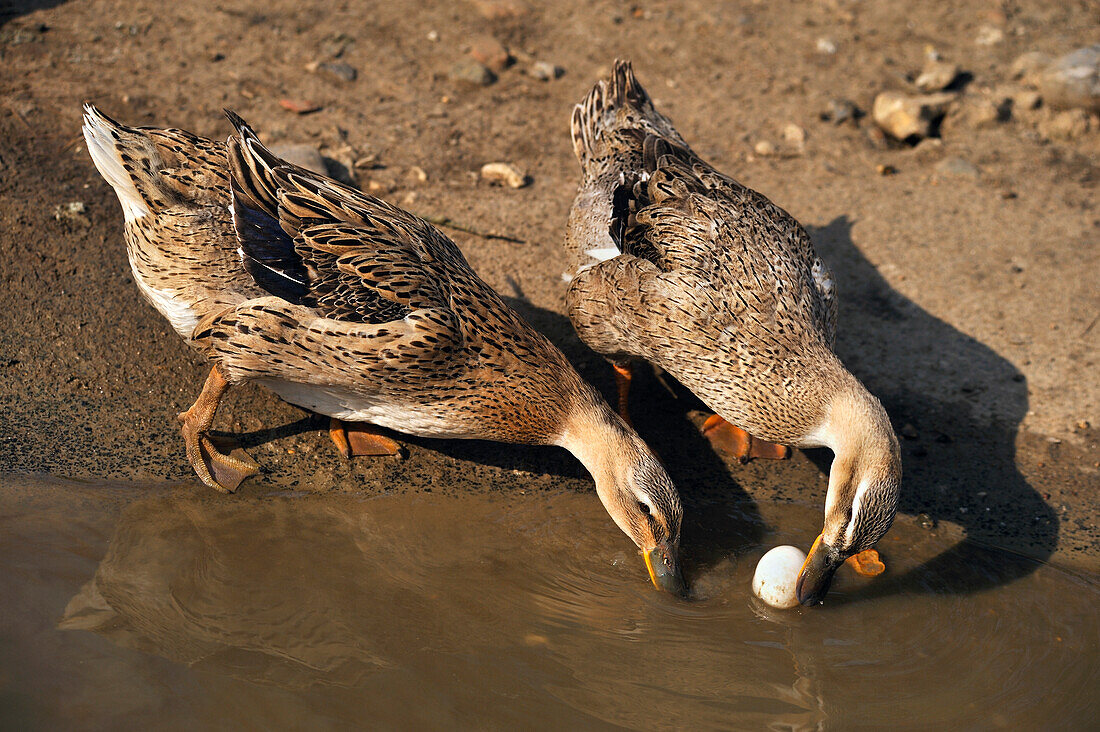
674,263
345,305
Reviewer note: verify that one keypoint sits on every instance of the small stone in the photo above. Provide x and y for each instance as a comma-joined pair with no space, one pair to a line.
418,173
1029,65
886,170
826,46
490,52
433,36
841,110
299,106
504,174
1073,81
904,117
468,71
334,46
795,135
989,35
925,521
72,212
956,167
1082,424
928,149
499,9
764,149
1026,100
338,70
1068,125
936,75
303,155
544,71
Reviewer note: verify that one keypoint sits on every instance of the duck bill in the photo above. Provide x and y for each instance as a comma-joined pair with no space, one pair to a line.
817,572
664,569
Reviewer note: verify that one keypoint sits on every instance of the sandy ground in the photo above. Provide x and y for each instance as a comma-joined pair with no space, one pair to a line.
969,299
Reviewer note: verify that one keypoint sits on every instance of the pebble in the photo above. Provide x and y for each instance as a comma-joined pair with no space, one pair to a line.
903,116
956,167
545,71
499,9
72,212
989,35
301,154
469,71
338,70
1026,100
490,52
1073,81
764,148
795,135
1028,66
504,174
299,106
936,76
841,110
1068,125
826,46
925,521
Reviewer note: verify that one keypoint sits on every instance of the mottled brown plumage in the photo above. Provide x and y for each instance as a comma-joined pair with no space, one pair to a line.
673,262
346,305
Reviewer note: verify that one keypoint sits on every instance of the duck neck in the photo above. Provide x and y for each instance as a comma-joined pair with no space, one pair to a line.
604,444
857,429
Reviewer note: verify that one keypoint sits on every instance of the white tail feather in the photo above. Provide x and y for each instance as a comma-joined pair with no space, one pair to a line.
102,148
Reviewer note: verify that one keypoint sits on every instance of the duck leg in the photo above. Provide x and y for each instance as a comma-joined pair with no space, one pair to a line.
623,375
743,446
866,563
218,470
360,438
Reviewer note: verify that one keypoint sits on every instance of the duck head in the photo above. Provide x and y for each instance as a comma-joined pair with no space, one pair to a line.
633,486
864,481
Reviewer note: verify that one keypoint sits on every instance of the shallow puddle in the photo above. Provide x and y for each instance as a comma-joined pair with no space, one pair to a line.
172,607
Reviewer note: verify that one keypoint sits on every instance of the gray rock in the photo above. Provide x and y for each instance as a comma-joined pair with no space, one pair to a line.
955,167
303,155
841,110
468,71
545,71
936,76
1073,81
905,117
338,70
1067,125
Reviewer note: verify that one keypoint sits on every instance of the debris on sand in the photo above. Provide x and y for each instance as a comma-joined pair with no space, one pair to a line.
841,110
906,117
1073,81
936,76
956,167
545,71
299,106
338,70
72,212
474,73
491,53
504,174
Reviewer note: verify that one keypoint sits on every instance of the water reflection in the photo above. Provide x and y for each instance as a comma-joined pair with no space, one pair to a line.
496,611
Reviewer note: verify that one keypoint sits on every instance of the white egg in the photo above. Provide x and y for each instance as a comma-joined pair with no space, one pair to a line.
776,575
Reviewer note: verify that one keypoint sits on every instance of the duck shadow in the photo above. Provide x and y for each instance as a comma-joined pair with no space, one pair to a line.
11,10
957,406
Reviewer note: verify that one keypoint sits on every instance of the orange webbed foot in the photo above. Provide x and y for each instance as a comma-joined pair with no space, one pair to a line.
866,563
359,439
736,441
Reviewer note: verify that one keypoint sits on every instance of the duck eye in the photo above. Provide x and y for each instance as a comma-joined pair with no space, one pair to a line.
643,507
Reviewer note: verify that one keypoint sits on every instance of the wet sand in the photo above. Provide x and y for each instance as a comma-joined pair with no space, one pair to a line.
135,605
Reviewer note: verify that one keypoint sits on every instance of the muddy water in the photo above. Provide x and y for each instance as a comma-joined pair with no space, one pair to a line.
171,607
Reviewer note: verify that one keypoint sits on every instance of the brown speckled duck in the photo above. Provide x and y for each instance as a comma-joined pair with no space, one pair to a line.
674,263
345,305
